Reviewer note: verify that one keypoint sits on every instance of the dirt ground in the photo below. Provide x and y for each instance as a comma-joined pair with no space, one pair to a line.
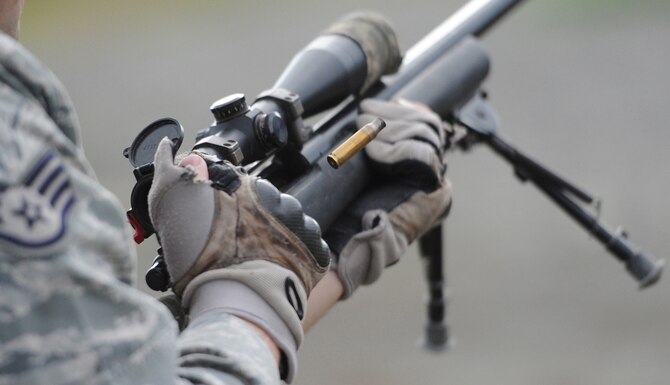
582,86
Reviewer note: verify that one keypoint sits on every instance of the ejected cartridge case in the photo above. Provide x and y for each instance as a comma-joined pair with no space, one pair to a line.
355,143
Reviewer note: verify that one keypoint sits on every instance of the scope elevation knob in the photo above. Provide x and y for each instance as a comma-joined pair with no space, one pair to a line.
229,107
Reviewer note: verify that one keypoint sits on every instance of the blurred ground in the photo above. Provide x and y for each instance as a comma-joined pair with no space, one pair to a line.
581,85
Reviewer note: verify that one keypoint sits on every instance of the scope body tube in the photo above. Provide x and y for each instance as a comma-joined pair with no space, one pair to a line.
336,61
348,58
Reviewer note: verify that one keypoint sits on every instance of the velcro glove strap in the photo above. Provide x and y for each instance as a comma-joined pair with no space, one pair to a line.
261,292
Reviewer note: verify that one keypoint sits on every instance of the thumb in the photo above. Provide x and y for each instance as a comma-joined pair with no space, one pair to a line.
196,163
164,157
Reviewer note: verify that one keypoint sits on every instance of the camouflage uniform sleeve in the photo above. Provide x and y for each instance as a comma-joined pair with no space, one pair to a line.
218,348
68,312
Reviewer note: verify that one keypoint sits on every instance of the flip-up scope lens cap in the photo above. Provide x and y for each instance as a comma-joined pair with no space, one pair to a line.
144,147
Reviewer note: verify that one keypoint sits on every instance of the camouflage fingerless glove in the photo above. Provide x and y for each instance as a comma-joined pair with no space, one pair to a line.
235,243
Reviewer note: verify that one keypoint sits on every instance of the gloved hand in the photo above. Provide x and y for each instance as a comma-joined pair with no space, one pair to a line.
407,196
235,243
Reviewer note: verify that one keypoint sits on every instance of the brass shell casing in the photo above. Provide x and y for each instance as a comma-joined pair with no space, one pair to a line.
355,143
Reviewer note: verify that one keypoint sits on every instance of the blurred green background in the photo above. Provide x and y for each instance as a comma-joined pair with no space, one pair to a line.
581,85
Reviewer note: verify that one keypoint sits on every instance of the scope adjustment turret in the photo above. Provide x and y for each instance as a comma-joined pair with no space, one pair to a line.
229,107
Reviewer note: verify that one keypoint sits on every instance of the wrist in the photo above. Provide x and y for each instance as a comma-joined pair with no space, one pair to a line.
323,297
255,292
272,346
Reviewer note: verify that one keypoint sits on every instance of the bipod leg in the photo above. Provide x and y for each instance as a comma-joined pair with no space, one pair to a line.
436,333
642,267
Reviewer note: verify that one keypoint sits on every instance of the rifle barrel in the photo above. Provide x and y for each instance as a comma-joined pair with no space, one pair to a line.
473,19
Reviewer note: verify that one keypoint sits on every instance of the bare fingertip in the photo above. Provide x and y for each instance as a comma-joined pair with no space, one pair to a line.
197,164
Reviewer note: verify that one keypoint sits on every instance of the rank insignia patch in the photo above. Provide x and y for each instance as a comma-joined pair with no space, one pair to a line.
33,214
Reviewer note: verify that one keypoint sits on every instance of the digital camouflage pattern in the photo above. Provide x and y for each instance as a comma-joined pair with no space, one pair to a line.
68,312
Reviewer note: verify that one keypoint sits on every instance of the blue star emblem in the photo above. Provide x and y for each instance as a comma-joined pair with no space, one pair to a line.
34,212
29,211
